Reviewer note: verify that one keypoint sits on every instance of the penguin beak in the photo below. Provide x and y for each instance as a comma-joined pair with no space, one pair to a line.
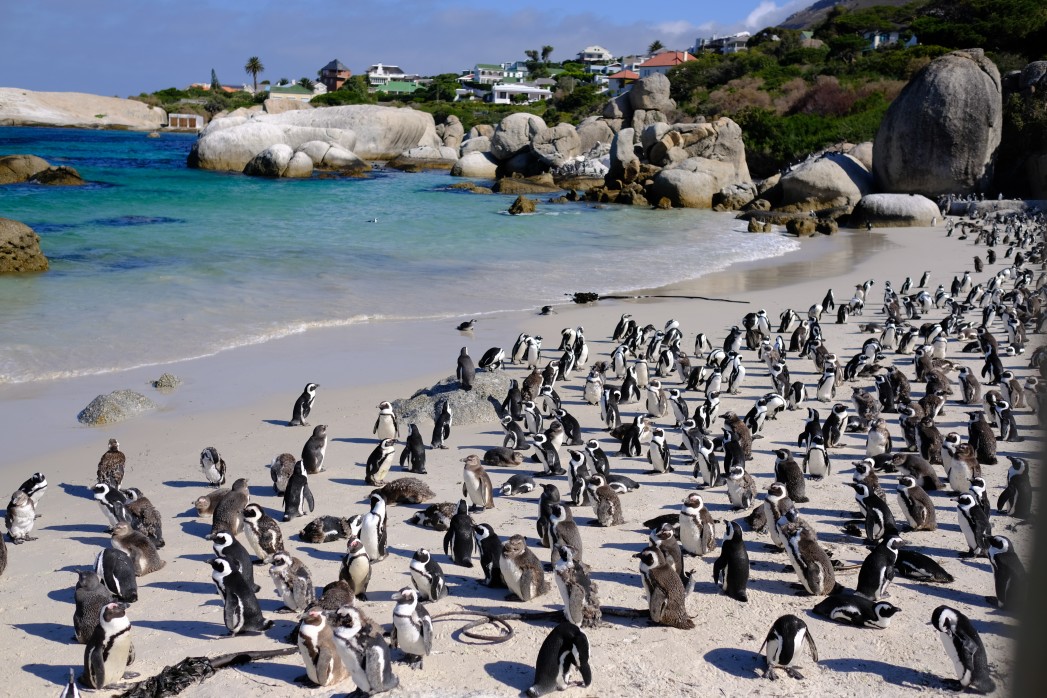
638,554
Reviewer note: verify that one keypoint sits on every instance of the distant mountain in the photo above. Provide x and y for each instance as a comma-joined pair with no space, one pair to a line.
815,14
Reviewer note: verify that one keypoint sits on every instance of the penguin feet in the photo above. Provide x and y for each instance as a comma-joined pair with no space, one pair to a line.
795,673
285,609
993,601
131,675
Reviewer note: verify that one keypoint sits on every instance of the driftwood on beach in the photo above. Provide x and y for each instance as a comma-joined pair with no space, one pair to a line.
583,297
193,670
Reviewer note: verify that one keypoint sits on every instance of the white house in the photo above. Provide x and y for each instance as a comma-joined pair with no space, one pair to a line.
381,74
878,39
488,73
621,81
736,43
662,62
504,94
594,54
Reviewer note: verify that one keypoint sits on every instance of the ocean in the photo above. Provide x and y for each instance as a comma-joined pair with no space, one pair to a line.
153,262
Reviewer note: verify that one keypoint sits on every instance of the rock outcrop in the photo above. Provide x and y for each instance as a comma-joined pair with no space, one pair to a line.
117,406
425,157
895,211
941,134
715,161
555,146
20,248
476,406
831,181
477,165
651,92
514,133
522,205
280,161
29,168
20,107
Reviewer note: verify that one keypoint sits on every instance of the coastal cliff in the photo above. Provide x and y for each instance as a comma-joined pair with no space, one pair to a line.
20,107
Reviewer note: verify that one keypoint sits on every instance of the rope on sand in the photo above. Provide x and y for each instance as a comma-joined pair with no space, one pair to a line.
506,632
583,297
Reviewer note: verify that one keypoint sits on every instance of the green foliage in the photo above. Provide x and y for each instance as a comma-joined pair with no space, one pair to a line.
252,68
883,18
353,91
655,45
441,89
216,86
579,103
1015,26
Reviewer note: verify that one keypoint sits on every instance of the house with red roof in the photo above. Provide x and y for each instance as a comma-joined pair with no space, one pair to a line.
662,62
619,82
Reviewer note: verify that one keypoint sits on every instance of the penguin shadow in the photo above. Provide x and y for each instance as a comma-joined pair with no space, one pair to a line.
66,595
77,528
260,491
276,422
356,482
57,674
634,547
896,674
194,630
357,440
994,627
743,664
76,490
56,632
513,674
184,484
325,555
627,579
275,672
195,528
949,593
92,541
774,587
198,557
204,588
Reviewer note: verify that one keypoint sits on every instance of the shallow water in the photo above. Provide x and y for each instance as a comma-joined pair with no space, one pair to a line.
153,262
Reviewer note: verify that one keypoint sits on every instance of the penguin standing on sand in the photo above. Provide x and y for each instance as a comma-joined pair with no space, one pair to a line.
262,532
298,498
731,569
414,452
242,612
458,541
877,571
356,568
303,406
1008,574
109,651
476,484
225,545
323,666
1016,498
116,571
666,594
315,449
566,647
916,505
365,655
386,425
213,466
783,645
974,523
490,547
579,593
294,583
427,576
964,647
111,465
412,627
379,462
373,533
91,597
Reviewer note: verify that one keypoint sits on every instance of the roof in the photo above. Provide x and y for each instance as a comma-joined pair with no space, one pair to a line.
488,66
594,49
336,65
669,58
398,86
624,75
289,90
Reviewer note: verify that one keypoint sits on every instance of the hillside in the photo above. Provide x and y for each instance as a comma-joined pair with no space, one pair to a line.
817,13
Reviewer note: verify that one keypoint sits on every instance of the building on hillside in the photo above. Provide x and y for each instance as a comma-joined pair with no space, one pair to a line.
185,122
662,62
398,87
511,93
334,74
488,73
880,39
295,92
595,54
620,82
380,74
736,43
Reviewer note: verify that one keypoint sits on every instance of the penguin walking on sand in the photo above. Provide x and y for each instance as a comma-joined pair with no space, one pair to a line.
490,547
242,612
379,462
315,449
365,655
1008,574
442,426
262,533
386,426
109,651
373,533
476,484
565,648
298,498
783,645
213,466
964,647
414,452
427,576
303,406
458,541
731,569
412,627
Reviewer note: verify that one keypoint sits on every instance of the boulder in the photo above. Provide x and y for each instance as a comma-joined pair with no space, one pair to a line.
734,196
522,205
514,133
803,227
642,118
476,406
271,162
895,210
831,181
719,140
453,132
618,108
653,133
941,134
300,167
480,131
20,107
716,161
279,106
115,407
539,184
685,188
19,168
863,153
58,176
555,146
19,248
1033,77
332,157
651,92
480,144
594,131
167,382
476,164
425,157
758,226
624,165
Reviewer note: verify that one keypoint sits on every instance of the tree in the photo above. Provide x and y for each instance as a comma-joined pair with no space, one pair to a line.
215,85
306,83
656,45
252,68
442,88
546,52
532,54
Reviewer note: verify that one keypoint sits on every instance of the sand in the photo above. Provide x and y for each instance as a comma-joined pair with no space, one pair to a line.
240,401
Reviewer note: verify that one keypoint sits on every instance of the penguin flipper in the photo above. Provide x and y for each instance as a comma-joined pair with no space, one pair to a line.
309,498
809,639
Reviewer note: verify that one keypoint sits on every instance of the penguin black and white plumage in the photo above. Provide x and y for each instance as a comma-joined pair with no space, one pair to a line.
579,592
323,666
826,390
982,438
116,571
414,451
110,500
515,436
885,394
774,506
741,488
405,490
225,545
665,538
572,429
964,647
35,487
442,425
492,359
365,654
379,462
706,462
566,647
262,532
280,469
91,596
315,449
518,484
373,532
1008,575
970,387
877,571
458,541
878,439
386,426
563,531
783,645
21,514
109,651
427,576
879,521
856,610
796,395
731,569
550,496
111,465
412,627
1016,498
1005,418
521,570
546,454
466,370
697,536
303,406
787,471
298,498
916,505
490,547
919,468
816,461
658,454
356,568
293,581
213,466
476,484
974,523
833,426
502,456
242,612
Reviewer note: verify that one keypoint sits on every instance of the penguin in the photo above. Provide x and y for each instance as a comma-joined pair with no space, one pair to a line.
816,462
916,505
810,562
110,500
405,490
356,568
606,505
833,426
303,406
579,592
665,538
35,487
466,370
262,533
666,595
658,454
620,484
427,576
225,545
412,627
563,531
788,472
515,436
885,394
280,469
774,506
964,647
679,406
442,426
91,597
492,359
466,326
852,609
476,484
228,514
919,468
373,531
213,466
1005,418
111,465
981,438
323,666
21,514
742,434
315,449
117,572
731,569
109,651
826,390
1016,498
572,429
458,541
521,570
741,488
379,462
879,521
961,464
294,583
974,523
1008,574
137,545
564,648
298,498
386,425
877,571
512,405
242,612
783,644
490,547
697,536
502,457
547,455
366,655
878,440
550,496
706,463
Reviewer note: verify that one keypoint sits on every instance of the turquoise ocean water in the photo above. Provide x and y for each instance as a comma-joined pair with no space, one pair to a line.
153,262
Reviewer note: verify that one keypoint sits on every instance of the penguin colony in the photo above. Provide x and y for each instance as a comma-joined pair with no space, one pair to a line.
944,385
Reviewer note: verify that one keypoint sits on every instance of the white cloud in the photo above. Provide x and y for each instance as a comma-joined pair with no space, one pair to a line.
768,13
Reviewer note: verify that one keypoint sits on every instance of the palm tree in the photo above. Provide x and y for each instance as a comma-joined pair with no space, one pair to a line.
252,68
546,52
656,45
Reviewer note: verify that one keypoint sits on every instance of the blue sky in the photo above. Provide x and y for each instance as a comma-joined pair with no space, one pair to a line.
123,47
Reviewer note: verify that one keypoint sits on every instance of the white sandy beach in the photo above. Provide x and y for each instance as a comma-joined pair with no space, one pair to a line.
239,402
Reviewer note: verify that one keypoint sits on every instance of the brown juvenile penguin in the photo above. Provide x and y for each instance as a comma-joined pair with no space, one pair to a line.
205,504
666,595
521,570
139,547
111,465
146,517
406,490
741,433
316,644
606,505
229,513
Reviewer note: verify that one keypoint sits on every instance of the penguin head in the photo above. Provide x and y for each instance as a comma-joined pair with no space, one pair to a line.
966,501
906,482
253,513
737,473
221,566
775,491
731,530
648,556
406,596
281,563
945,619
999,544
566,553
112,611
314,616
693,501
221,539
311,388
347,621
354,546
114,445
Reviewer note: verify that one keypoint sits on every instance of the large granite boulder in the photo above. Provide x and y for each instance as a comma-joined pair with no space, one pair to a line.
1033,77
271,162
895,211
715,161
651,92
863,153
19,248
19,168
476,406
425,157
477,165
831,181
941,134
480,131
332,157
480,144
451,132
625,164
594,131
521,206
692,183
371,132
279,106
20,107
117,406
514,133
555,146
61,176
